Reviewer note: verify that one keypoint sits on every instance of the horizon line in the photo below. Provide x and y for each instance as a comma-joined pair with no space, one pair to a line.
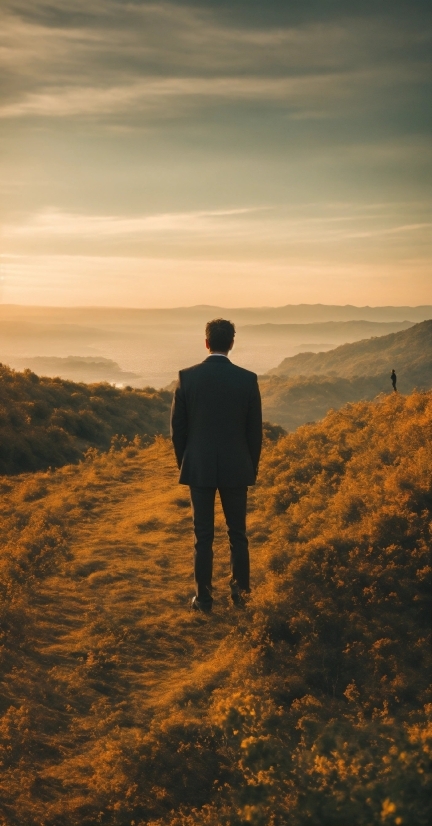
211,306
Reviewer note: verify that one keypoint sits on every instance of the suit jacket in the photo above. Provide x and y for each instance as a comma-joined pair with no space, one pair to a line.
216,424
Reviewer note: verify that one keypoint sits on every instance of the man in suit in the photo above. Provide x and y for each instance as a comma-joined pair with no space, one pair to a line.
216,429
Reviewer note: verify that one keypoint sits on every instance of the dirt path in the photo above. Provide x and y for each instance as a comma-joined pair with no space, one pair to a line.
118,615
110,655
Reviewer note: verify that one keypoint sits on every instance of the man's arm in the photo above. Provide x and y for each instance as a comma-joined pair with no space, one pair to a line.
179,424
254,425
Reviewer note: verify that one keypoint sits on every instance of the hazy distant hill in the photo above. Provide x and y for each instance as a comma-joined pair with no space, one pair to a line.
408,352
47,422
154,344
120,705
303,388
78,368
342,330
267,341
290,313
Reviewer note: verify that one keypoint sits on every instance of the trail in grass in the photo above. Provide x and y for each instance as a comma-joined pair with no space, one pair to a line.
117,620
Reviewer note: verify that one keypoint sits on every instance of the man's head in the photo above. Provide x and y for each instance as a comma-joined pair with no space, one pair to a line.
219,335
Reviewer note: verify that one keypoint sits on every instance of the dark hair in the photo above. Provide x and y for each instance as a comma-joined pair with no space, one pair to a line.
220,334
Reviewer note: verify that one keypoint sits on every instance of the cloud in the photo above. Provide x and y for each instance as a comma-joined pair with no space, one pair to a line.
54,223
375,233
138,119
254,225
163,95
105,57
150,93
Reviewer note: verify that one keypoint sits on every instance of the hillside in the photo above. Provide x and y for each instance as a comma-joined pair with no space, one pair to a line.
292,402
121,706
305,387
89,369
153,344
47,422
408,351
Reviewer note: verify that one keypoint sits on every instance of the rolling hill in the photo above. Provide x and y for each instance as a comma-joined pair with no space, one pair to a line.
292,402
121,706
47,422
153,344
305,387
408,351
89,369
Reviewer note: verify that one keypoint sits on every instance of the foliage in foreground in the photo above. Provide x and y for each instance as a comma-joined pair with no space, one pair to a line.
310,708
343,734
48,422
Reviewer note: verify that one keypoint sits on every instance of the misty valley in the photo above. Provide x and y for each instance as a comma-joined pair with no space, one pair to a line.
147,347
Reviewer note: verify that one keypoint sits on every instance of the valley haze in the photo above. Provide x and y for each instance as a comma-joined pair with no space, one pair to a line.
148,346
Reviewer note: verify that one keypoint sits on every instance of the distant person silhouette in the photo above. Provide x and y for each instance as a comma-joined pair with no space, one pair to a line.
216,429
393,377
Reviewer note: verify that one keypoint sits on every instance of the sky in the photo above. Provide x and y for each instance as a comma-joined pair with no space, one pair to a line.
233,152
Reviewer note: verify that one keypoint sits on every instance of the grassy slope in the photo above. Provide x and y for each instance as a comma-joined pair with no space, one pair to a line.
46,422
305,387
296,401
409,352
120,705
100,641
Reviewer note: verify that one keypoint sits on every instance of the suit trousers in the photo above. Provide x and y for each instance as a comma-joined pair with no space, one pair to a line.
234,501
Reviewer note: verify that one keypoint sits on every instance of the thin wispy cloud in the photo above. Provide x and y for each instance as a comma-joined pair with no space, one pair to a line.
253,224
54,223
390,230
322,91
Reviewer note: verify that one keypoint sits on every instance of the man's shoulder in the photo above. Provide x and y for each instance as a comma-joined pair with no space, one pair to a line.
195,369
189,371
248,375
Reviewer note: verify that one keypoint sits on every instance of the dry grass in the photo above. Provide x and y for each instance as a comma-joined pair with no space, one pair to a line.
121,706
98,579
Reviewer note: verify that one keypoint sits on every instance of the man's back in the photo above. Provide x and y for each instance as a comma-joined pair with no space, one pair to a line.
216,424
216,428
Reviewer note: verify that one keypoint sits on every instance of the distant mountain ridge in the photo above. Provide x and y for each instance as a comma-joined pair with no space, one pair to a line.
343,330
155,343
290,313
409,352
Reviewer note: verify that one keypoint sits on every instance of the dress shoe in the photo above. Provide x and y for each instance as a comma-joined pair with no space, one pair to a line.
240,598
197,605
